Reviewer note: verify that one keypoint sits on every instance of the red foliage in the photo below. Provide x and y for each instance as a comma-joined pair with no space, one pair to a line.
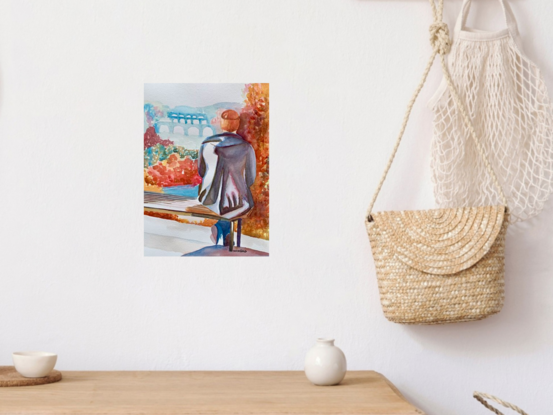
175,172
151,138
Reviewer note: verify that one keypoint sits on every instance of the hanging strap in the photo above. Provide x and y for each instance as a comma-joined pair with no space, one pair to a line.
510,19
441,44
481,397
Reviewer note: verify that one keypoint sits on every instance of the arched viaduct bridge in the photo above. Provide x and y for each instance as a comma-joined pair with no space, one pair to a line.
184,122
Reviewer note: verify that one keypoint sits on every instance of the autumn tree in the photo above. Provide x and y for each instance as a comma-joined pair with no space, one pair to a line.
174,172
254,128
151,138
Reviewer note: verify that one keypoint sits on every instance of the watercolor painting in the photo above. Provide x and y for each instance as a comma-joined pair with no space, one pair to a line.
206,169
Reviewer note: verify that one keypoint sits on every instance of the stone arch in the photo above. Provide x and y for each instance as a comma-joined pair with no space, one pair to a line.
207,131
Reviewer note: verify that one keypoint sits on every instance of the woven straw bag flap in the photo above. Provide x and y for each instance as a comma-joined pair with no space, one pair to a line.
439,266
439,241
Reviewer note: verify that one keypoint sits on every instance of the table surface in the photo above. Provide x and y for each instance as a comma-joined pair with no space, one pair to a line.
213,393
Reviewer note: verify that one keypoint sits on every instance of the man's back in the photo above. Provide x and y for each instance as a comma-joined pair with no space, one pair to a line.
226,164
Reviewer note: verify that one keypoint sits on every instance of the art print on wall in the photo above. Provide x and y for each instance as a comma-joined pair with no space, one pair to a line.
206,169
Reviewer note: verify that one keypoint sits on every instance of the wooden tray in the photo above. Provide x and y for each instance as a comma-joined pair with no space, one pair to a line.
10,377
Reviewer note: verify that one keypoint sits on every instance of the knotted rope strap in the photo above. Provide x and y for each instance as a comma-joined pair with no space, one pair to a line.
441,45
481,397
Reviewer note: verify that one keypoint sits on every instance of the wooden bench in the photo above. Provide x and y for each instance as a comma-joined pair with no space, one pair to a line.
185,206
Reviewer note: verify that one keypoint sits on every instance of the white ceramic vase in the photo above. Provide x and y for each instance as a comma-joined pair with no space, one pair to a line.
325,364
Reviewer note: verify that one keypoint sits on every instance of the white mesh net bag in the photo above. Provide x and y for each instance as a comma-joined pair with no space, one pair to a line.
508,103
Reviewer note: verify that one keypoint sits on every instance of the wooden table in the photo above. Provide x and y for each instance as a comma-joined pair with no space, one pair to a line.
213,393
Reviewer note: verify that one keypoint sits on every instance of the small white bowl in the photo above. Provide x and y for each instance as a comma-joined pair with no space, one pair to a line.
34,364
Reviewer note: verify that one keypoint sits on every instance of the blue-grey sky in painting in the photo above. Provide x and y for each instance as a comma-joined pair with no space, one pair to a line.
193,95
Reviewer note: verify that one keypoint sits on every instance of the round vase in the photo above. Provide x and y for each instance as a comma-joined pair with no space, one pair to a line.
325,364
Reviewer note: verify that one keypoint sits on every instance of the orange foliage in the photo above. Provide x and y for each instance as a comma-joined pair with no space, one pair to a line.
254,127
168,216
204,222
149,184
174,172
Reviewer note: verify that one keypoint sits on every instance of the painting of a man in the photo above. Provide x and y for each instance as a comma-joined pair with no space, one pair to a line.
226,164
206,170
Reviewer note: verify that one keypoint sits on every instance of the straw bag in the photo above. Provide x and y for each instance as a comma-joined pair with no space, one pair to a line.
481,397
512,114
443,265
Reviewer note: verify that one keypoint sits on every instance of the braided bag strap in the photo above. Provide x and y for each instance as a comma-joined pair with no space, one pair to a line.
481,397
441,45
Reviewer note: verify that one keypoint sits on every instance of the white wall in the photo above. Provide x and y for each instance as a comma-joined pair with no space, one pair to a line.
74,280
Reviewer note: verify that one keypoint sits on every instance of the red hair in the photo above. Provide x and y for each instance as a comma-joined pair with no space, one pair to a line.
230,120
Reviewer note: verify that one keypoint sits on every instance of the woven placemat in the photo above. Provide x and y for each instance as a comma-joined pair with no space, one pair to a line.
10,377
